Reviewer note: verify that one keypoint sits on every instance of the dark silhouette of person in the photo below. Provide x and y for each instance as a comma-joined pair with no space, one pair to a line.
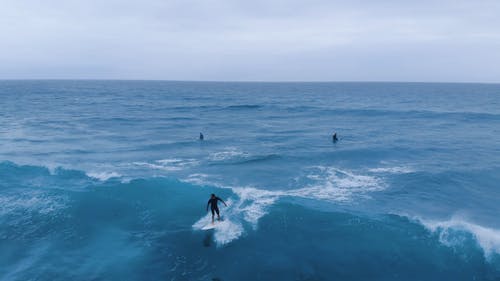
213,206
334,137
201,136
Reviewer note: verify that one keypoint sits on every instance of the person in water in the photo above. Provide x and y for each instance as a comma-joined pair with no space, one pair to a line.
213,206
201,136
334,137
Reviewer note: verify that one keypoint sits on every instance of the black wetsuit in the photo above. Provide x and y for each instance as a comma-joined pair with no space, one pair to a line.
213,205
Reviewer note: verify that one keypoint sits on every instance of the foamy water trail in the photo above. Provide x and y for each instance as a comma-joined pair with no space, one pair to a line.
393,170
336,185
329,184
169,165
228,154
103,176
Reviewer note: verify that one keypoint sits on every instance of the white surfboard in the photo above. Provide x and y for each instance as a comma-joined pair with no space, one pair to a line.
212,225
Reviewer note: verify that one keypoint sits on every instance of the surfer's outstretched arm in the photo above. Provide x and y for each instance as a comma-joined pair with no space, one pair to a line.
222,201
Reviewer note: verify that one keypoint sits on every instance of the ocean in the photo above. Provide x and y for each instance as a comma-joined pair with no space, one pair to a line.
108,180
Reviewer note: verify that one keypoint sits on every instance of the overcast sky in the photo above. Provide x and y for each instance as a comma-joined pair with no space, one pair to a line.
264,40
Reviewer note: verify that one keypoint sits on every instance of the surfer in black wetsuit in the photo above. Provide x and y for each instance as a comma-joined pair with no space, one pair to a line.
334,137
213,206
201,136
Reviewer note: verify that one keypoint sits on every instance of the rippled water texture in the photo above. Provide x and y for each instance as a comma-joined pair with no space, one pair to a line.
107,180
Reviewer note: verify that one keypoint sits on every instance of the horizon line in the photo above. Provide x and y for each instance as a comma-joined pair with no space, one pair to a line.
247,81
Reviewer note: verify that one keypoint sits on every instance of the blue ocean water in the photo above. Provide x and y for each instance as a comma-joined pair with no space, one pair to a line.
107,180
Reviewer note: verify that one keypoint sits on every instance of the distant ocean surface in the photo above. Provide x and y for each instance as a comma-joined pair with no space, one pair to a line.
107,180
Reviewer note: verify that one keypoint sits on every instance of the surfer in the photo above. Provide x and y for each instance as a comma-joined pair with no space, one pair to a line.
334,137
201,136
213,206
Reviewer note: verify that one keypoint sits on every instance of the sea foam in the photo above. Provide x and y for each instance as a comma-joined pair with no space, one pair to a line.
329,184
452,233
103,176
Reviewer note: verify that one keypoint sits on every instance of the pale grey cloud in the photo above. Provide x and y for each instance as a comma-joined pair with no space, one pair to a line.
251,40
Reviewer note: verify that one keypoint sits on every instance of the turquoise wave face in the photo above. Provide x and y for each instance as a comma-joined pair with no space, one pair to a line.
108,180
68,225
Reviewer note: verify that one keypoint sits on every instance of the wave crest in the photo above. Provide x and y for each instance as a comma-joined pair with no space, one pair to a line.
453,232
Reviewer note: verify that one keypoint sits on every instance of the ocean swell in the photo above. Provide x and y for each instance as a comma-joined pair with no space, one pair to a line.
147,220
456,232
